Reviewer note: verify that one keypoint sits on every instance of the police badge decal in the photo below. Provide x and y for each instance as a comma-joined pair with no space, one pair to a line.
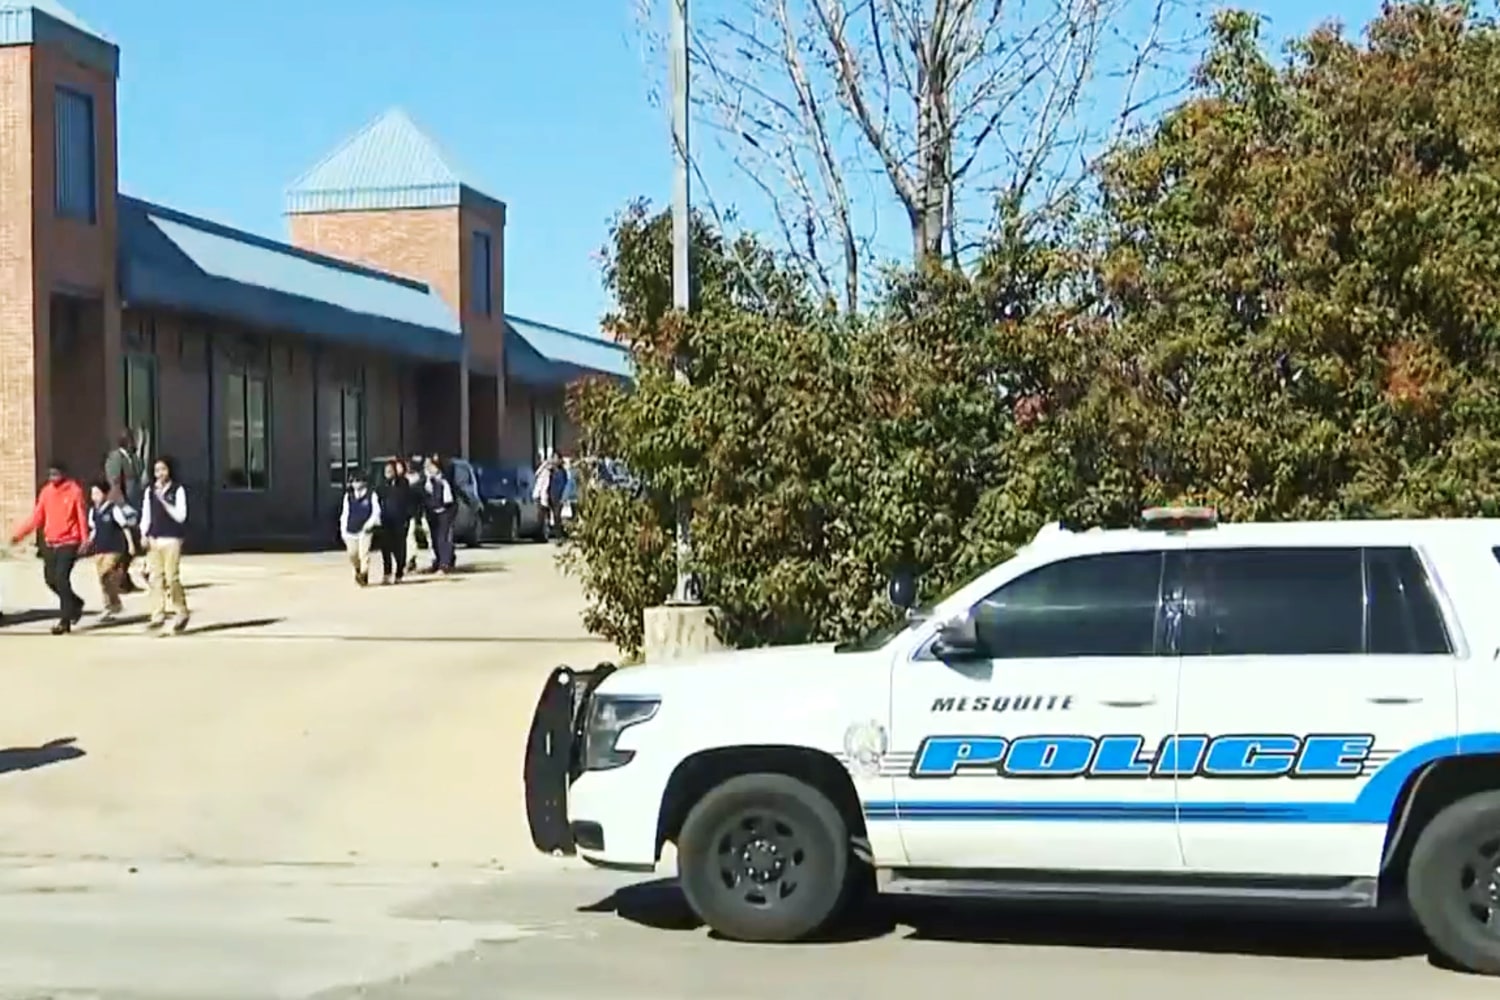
864,746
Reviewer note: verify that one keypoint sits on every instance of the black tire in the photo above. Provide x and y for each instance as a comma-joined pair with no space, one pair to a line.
771,824
1452,874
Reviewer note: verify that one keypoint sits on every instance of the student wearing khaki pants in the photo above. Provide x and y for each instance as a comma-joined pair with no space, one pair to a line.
358,519
110,542
164,522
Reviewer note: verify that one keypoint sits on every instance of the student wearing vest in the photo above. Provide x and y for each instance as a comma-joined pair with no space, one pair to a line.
441,510
164,521
111,542
358,520
61,515
123,470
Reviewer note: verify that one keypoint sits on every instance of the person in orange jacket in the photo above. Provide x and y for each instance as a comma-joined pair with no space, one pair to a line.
63,518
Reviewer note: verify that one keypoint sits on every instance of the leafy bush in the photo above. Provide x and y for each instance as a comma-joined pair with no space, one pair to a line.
1284,301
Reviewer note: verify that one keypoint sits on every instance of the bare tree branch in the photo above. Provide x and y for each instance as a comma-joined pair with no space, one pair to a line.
839,111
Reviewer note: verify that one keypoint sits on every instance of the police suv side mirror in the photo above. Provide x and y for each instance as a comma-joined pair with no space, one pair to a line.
902,589
958,639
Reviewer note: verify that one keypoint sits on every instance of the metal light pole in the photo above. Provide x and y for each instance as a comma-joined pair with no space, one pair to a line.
686,589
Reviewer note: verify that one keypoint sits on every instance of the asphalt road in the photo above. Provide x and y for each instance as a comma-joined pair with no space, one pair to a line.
588,934
201,931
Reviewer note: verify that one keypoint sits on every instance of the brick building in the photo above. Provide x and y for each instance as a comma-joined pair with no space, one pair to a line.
265,368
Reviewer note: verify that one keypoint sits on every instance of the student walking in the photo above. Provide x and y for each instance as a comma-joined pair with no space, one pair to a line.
122,469
397,501
61,515
358,519
164,522
440,503
558,483
110,541
415,480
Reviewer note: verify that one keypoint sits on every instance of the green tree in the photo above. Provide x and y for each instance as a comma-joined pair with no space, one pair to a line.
1303,262
825,450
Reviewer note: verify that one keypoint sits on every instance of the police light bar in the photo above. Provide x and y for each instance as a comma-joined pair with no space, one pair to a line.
1178,518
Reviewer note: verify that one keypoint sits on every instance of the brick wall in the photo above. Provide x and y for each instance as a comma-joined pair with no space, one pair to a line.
194,357
19,374
76,271
435,245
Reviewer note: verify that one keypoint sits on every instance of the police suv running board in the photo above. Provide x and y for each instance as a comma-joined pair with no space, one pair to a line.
1337,893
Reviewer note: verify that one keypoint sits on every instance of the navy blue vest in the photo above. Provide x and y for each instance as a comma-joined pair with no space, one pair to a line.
359,512
164,525
435,494
108,535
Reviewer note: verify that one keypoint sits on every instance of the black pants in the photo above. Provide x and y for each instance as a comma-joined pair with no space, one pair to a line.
57,571
441,524
393,549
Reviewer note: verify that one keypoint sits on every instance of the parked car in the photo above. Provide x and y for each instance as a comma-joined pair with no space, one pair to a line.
509,512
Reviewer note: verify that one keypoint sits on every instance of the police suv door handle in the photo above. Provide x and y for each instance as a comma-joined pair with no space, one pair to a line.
1127,702
1393,700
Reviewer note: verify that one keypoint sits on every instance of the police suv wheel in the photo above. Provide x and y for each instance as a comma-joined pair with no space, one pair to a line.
1453,882
764,857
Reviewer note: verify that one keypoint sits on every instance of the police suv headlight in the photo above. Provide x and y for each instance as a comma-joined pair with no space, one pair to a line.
609,716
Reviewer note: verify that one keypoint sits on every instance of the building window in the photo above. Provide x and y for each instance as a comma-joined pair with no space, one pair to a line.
543,431
248,434
484,287
140,400
76,180
345,434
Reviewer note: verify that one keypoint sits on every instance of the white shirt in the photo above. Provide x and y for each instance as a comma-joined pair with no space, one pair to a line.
371,523
176,510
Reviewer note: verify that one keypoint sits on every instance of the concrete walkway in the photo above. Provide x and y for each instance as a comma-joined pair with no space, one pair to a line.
278,729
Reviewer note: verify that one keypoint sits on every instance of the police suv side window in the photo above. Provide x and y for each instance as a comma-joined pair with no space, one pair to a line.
1272,602
1100,605
1404,615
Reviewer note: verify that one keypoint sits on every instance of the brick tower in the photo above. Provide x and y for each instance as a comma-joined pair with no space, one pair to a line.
390,197
59,300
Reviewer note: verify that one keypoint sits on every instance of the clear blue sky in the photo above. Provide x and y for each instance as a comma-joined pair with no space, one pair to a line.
224,103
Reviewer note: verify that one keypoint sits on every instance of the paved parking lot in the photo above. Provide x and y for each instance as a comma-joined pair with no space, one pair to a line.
315,794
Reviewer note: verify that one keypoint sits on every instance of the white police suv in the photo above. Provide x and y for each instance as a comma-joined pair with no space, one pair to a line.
1188,712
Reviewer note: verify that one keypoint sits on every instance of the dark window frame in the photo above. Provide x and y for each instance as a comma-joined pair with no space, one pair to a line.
143,364
70,106
340,464
253,383
1409,613
1195,589
483,264
1156,618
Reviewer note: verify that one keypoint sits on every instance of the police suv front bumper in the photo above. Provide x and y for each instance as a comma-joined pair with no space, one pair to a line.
565,806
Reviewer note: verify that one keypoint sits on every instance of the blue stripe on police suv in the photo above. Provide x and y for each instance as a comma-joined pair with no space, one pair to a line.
1236,755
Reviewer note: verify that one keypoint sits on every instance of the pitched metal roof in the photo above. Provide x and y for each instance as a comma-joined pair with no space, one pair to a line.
172,260
390,163
30,22
539,354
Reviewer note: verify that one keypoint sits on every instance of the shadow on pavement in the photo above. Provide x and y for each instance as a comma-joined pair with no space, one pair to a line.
29,617
659,904
475,569
31,758
231,626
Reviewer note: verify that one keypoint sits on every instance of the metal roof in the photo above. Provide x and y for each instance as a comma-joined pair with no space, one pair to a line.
391,163
172,260
554,356
31,22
